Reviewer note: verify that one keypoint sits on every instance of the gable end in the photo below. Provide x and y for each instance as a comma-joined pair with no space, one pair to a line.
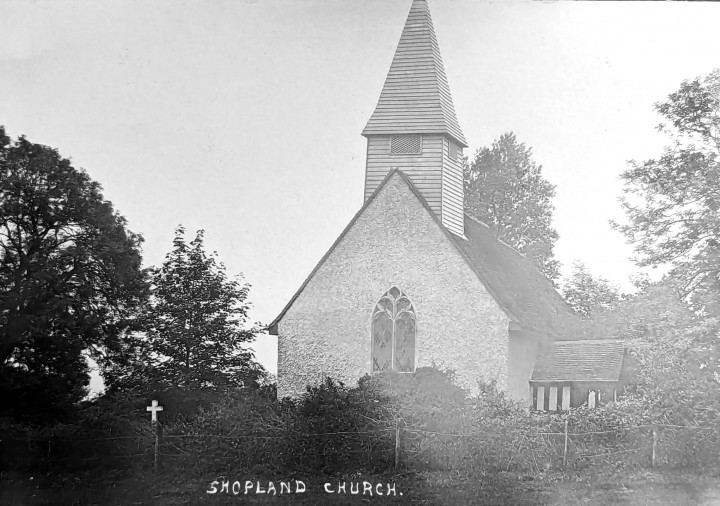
273,327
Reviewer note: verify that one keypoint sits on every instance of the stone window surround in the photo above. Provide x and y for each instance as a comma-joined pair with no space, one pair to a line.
370,330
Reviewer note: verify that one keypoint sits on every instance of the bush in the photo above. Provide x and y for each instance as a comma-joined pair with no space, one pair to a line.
239,431
333,429
339,429
330,429
104,437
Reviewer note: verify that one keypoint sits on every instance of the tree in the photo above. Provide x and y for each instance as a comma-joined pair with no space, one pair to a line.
195,322
505,189
587,294
674,350
70,276
673,202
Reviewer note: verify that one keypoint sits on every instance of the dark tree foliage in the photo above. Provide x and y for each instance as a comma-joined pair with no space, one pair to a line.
70,278
195,323
587,294
673,202
674,351
505,189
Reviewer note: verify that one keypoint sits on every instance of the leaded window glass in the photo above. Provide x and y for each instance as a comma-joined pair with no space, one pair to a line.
393,333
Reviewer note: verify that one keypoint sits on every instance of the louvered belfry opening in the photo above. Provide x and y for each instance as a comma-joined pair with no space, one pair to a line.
414,126
406,144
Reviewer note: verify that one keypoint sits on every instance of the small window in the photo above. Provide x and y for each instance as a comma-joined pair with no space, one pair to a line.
454,151
405,144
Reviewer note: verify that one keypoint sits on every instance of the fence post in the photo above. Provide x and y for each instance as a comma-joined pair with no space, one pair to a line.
155,461
654,447
567,418
153,409
397,442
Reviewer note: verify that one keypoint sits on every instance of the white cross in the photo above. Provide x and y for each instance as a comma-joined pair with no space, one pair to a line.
154,409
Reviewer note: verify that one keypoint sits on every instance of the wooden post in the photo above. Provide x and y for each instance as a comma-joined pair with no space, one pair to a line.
654,447
566,398
567,418
397,442
553,399
154,411
156,449
540,405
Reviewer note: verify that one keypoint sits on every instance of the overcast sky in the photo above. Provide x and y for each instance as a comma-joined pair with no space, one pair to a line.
244,118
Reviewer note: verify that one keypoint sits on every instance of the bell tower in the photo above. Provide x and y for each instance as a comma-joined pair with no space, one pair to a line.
414,127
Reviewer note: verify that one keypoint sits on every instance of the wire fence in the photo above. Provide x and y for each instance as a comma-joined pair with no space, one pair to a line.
561,443
643,445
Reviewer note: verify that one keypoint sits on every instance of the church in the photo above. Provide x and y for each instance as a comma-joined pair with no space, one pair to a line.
413,281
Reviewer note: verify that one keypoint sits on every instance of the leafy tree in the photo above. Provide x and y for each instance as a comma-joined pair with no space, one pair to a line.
673,202
505,189
195,322
674,350
587,294
70,277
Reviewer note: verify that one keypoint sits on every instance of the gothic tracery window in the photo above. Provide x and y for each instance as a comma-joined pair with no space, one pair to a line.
393,333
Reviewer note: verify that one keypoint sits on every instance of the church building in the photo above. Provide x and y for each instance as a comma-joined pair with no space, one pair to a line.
413,281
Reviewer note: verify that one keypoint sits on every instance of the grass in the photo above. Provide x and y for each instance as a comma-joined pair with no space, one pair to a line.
650,489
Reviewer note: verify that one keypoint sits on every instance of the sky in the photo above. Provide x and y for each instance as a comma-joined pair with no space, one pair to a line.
243,118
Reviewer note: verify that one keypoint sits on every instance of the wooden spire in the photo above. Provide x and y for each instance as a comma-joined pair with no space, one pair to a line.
416,96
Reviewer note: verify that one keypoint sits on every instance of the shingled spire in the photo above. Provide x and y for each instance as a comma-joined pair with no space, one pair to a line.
414,127
416,96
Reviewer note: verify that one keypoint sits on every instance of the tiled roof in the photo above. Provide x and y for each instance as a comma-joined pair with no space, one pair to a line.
416,96
597,360
516,283
522,292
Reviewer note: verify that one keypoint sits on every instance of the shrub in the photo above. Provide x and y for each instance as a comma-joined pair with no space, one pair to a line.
105,436
334,429
329,429
240,431
338,429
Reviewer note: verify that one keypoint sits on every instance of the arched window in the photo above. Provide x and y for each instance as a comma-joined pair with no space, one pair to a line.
393,333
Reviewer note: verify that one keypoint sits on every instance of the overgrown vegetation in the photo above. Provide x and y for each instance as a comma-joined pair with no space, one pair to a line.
388,425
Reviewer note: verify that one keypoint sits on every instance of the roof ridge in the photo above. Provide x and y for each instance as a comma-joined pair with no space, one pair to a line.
272,327
473,218
454,239
466,247
585,341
